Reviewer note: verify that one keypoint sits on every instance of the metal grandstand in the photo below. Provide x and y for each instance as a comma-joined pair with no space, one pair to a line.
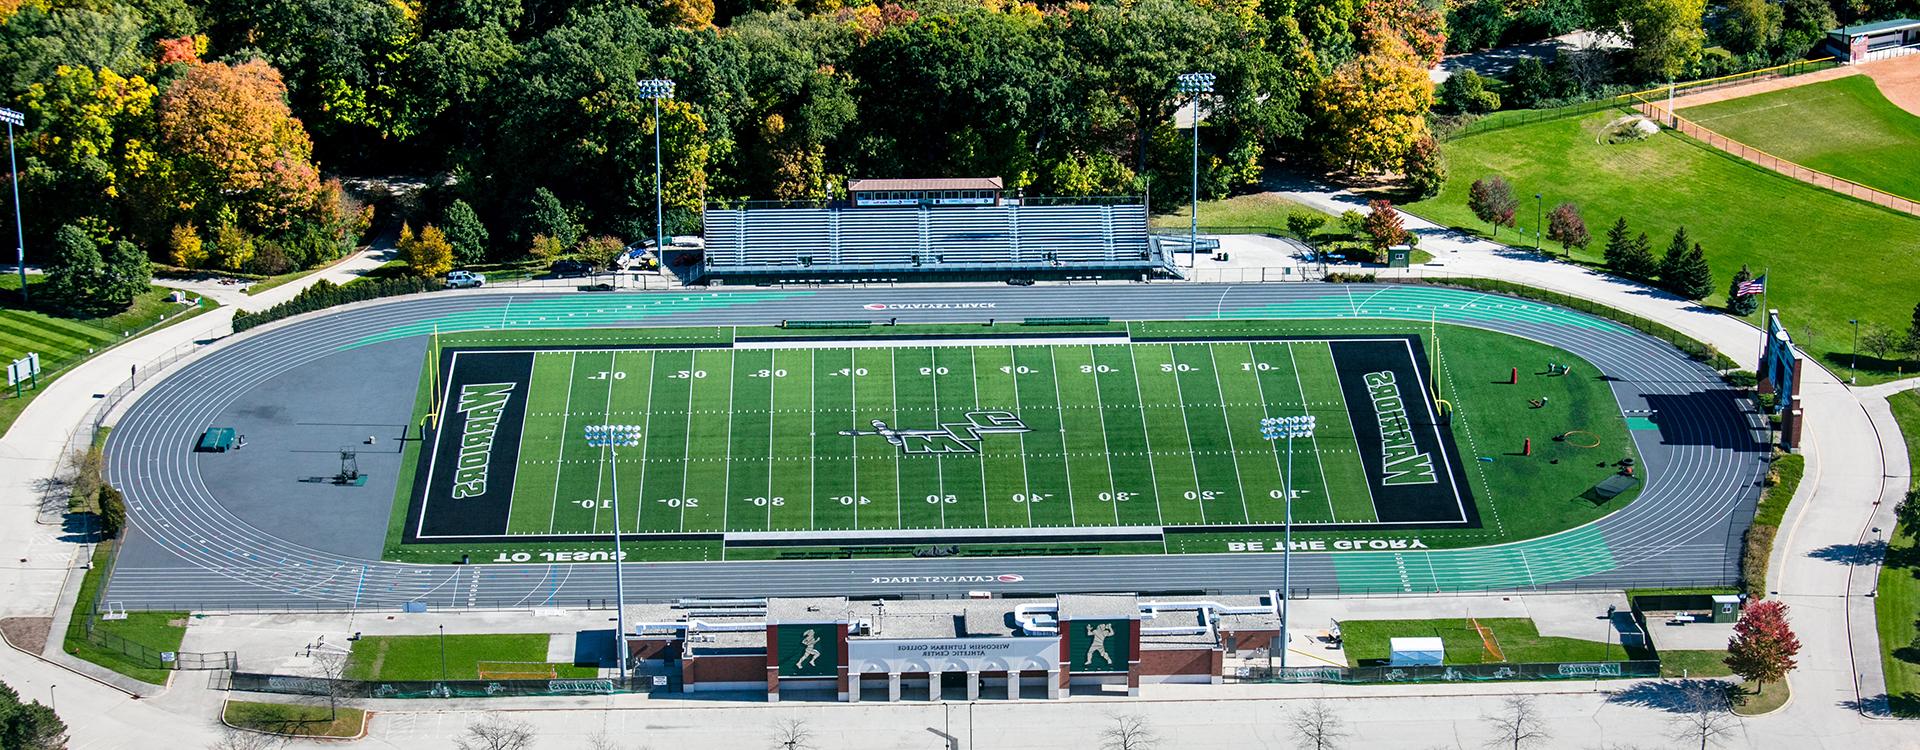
1032,238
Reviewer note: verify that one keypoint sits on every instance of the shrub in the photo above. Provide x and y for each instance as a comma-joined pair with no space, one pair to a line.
324,294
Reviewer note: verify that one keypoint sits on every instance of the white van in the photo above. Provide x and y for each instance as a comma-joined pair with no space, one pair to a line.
464,279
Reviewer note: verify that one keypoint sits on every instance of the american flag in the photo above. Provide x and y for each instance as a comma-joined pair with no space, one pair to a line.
1752,286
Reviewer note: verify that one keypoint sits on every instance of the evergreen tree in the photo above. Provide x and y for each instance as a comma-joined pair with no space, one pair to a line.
1737,303
1913,331
548,216
1619,243
466,233
1695,278
74,271
128,273
1638,263
1673,263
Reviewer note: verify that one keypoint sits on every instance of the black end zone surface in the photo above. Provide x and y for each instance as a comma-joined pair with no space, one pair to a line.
1364,367
491,451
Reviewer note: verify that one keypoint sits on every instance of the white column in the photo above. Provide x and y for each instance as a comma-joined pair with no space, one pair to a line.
1054,688
893,686
933,686
853,687
973,685
1013,684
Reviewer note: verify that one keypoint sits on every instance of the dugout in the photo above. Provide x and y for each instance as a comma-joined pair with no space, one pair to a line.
1874,41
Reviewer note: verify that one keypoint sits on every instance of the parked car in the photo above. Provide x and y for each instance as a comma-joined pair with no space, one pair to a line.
464,280
570,267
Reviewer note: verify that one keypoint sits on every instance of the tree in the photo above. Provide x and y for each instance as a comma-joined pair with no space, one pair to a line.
792,734
28,726
1529,83
1465,92
1384,226
428,255
1491,199
1306,223
128,273
1907,513
465,232
1316,726
1748,26
1517,724
1695,281
1737,303
331,666
1763,643
602,251
232,248
75,272
1425,167
1803,24
1128,732
184,247
235,738
1879,340
1372,110
1619,241
236,148
496,732
1638,262
546,215
1673,263
1913,327
1665,34
113,511
1705,715
545,247
1565,226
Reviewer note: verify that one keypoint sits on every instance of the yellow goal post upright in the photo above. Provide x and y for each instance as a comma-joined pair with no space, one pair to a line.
1444,406
1488,641
432,417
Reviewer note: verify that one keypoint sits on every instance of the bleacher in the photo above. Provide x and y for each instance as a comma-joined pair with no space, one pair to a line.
1040,239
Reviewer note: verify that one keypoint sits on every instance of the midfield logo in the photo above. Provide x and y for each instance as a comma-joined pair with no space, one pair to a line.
950,437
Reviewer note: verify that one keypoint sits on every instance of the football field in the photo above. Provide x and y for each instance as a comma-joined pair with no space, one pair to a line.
806,439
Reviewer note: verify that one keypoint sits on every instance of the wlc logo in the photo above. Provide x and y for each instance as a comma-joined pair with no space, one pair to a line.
949,437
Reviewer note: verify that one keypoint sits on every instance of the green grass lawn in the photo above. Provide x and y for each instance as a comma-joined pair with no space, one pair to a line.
131,646
1367,641
1898,602
1831,258
418,657
1255,210
62,339
1688,663
1748,701
1844,127
295,720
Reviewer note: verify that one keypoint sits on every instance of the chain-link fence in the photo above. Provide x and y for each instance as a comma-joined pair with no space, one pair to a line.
1590,670
324,687
1514,118
1659,112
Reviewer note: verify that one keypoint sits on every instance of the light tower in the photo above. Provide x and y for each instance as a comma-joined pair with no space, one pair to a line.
1195,84
612,437
656,89
1275,429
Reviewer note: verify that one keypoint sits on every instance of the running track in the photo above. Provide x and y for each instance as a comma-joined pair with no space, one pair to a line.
1703,465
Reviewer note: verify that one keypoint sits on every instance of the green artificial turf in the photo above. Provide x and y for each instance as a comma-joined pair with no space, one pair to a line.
130,646
1368,642
295,720
1829,258
419,657
1160,432
1844,127
1898,602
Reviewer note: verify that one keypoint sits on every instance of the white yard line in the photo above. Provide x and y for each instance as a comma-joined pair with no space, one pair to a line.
939,462
686,440
1314,437
1060,415
1260,387
893,390
606,414
1180,398
1026,485
560,459
773,378
646,437
973,379
813,441
726,481
853,387
1113,490
1233,449
1146,433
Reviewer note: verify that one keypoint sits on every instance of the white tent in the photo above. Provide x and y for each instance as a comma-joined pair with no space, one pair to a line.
1415,652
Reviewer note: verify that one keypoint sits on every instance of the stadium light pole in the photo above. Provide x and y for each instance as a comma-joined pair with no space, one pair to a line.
1273,429
612,437
1853,358
1195,84
12,119
1539,221
656,89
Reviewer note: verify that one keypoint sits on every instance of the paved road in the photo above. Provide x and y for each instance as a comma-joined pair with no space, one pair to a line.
1703,464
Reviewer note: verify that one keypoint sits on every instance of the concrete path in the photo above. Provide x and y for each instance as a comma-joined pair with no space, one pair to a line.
1853,472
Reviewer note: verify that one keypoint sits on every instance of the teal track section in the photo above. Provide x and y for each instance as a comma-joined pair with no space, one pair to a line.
1564,556
1570,554
548,312
1421,303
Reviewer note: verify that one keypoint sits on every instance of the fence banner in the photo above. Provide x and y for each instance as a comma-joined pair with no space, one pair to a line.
320,686
1455,673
